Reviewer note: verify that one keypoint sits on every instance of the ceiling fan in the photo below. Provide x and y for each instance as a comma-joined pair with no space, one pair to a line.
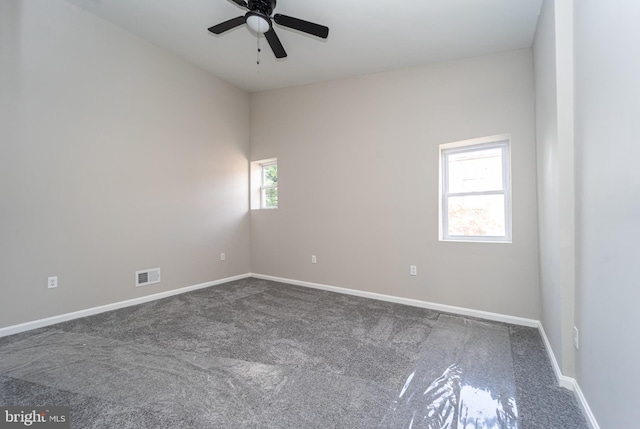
259,19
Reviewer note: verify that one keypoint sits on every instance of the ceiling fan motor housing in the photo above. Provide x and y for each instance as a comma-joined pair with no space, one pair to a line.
263,6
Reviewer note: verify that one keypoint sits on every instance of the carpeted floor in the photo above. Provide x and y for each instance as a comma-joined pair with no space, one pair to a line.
260,354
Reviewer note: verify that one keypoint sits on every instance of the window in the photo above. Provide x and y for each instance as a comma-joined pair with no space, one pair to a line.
269,187
264,184
475,203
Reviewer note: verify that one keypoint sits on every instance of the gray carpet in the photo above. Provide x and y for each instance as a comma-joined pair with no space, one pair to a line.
260,354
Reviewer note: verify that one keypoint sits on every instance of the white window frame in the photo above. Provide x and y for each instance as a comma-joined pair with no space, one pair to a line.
503,142
263,187
256,183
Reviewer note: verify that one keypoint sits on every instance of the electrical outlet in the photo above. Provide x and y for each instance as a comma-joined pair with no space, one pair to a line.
52,282
223,256
413,270
576,338
313,259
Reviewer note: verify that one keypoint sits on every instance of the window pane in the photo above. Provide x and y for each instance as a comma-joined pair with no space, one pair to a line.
475,171
270,198
479,215
270,175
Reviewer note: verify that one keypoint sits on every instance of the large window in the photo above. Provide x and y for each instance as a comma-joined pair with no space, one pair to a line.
475,191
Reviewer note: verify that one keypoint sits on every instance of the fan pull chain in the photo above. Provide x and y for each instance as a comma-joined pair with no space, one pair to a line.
258,53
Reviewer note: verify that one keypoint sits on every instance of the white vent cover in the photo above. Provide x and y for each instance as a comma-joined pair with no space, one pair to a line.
147,277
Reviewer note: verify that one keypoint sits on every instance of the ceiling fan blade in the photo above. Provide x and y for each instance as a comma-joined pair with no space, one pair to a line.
241,3
304,26
227,25
275,44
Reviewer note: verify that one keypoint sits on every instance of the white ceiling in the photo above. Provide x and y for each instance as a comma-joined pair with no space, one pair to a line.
365,36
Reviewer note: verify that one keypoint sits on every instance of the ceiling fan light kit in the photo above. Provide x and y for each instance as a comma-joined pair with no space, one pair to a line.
259,20
258,23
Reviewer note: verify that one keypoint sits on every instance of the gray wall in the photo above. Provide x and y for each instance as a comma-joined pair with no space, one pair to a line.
548,180
358,182
114,157
554,74
608,201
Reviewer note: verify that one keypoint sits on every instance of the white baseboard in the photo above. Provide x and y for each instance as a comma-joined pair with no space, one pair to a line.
591,419
409,301
568,382
14,329
563,380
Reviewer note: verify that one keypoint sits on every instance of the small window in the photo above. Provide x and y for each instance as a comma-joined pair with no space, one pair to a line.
475,190
264,184
269,187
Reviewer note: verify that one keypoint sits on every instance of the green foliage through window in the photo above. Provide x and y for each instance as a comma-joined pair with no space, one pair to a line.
270,186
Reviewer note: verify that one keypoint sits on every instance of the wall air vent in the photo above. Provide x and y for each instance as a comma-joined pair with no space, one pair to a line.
147,277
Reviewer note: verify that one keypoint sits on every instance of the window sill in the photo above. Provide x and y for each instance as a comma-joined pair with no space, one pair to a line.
475,241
